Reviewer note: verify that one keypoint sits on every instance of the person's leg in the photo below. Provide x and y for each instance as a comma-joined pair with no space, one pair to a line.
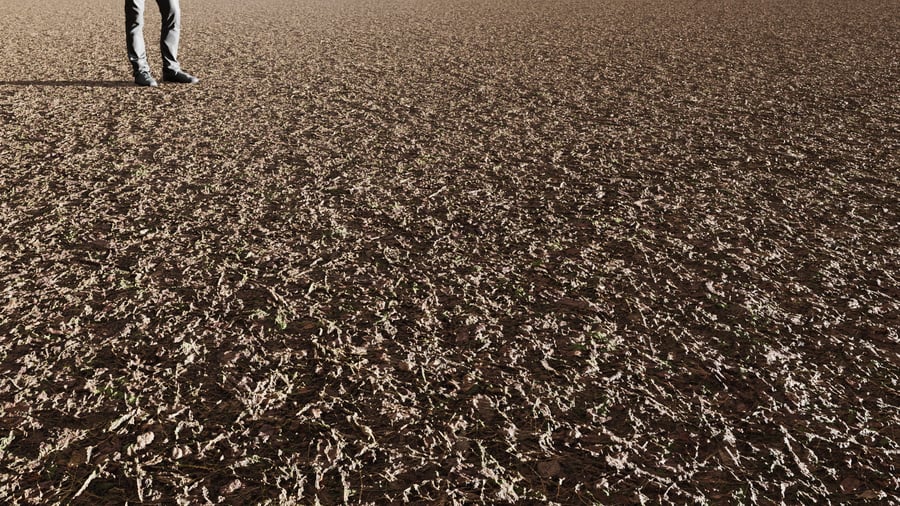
168,43
170,11
134,35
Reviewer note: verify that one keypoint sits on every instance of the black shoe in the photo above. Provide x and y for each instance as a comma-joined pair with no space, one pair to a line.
179,76
143,78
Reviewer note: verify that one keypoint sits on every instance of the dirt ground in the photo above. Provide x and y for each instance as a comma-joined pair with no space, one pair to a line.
452,251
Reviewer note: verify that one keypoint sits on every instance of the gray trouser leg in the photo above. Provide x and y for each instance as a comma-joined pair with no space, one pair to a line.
170,11
168,38
134,35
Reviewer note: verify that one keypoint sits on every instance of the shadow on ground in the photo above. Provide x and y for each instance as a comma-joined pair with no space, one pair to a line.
88,84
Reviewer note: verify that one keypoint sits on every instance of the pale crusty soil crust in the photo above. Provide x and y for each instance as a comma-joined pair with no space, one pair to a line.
577,251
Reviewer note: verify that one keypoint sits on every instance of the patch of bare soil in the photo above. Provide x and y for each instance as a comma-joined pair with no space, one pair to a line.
452,252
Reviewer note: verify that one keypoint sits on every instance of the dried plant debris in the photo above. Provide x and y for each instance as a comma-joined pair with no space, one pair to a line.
453,252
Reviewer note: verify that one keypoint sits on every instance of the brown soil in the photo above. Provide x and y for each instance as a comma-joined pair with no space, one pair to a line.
452,251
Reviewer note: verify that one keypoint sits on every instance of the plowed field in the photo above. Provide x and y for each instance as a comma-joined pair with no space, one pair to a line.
455,251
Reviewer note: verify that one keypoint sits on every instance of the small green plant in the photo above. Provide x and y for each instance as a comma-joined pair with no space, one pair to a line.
281,320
